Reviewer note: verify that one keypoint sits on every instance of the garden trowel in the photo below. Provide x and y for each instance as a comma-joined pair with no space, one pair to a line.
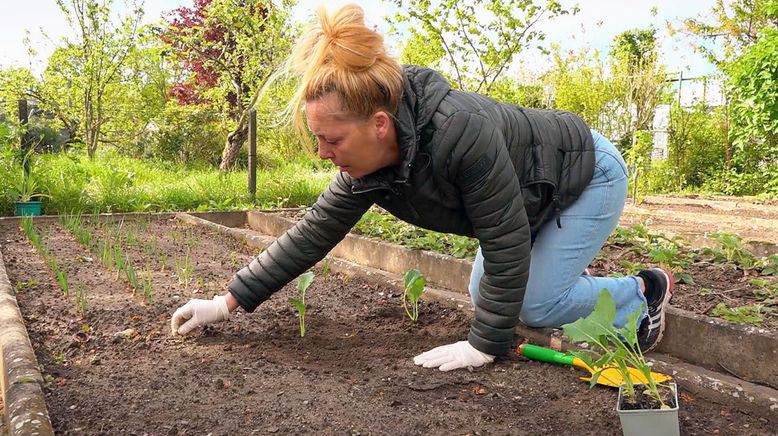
609,376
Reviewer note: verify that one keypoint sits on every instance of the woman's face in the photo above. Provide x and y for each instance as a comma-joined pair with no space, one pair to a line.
356,146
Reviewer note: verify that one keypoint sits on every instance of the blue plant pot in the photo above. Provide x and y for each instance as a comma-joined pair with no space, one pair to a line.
28,208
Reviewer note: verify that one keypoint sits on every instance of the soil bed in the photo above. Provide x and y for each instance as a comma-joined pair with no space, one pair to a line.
351,374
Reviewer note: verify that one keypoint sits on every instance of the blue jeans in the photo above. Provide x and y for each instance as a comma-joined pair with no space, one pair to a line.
557,292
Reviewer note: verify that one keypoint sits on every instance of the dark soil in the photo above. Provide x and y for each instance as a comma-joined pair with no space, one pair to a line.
351,374
644,401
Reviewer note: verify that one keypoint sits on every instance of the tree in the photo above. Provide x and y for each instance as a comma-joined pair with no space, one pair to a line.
229,48
737,24
97,58
480,38
753,80
580,86
639,77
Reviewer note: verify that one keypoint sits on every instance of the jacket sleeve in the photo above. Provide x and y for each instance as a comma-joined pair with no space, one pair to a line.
491,194
335,212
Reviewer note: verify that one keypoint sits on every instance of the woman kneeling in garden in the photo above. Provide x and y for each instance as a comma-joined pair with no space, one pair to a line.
538,189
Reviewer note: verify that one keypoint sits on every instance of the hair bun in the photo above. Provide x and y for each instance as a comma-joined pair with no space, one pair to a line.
346,41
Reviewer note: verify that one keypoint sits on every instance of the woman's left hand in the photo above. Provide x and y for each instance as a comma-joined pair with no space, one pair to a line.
453,356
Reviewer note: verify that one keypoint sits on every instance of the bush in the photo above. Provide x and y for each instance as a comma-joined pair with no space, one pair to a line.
183,134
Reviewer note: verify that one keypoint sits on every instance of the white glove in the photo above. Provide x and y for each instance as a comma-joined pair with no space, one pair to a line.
453,356
198,313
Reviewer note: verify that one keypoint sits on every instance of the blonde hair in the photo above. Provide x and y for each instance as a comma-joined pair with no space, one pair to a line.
341,54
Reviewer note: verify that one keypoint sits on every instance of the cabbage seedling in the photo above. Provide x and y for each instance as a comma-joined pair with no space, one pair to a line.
414,287
303,282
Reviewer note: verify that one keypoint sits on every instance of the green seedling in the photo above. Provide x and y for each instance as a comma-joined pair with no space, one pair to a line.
118,257
764,289
151,249
414,287
132,277
769,265
20,286
731,249
163,262
148,291
303,282
184,269
670,256
32,235
51,262
81,301
62,278
753,314
631,268
611,346
73,223
325,266
233,259
131,241
106,254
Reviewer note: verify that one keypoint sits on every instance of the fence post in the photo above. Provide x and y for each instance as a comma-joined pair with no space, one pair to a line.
253,155
24,144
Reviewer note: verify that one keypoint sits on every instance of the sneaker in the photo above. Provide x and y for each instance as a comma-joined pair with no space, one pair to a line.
659,288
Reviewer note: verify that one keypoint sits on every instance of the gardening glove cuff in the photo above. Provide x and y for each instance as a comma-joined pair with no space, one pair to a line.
199,313
453,356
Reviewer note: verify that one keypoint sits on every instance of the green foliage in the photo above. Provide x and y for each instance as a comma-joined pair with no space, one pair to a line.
754,107
62,279
580,86
730,249
638,79
148,289
391,229
737,24
638,159
611,346
480,38
81,298
423,49
132,277
508,90
230,50
24,184
95,61
697,149
113,183
303,282
414,287
753,314
185,134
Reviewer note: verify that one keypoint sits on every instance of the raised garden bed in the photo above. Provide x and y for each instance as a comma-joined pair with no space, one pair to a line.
723,280
112,367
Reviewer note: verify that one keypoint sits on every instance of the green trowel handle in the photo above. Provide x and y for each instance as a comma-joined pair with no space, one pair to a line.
543,354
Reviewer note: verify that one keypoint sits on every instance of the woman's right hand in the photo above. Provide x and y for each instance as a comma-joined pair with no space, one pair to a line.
197,313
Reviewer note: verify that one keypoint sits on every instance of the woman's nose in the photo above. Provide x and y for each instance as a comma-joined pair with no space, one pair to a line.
324,150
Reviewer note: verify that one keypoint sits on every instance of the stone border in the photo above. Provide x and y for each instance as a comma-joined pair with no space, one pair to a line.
745,348
22,383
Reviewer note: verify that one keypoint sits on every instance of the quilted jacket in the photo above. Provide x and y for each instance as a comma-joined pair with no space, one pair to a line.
470,166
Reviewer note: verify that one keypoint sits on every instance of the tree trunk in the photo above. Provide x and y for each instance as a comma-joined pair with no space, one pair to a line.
235,141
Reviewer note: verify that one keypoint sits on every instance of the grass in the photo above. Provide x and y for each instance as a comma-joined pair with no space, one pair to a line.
115,183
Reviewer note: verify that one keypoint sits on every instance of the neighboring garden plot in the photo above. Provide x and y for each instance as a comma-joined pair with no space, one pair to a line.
111,366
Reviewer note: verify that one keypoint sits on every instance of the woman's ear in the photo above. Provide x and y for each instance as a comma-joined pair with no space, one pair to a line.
382,124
